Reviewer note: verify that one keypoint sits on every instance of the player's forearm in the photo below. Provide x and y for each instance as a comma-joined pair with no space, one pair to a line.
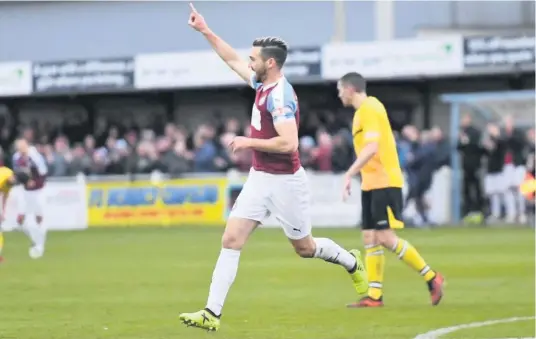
39,162
274,145
222,48
364,156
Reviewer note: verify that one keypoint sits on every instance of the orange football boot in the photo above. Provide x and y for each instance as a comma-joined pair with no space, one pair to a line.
366,302
435,286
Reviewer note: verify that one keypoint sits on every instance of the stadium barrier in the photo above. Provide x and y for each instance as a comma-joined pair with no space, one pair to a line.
77,203
64,205
169,202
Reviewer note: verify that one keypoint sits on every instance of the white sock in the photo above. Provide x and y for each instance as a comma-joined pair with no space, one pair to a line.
222,278
30,233
521,203
328,250
41,235
495,205
510,205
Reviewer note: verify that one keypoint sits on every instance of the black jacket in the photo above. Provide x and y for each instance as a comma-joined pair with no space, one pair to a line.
471,151
496,155
517,145
531,157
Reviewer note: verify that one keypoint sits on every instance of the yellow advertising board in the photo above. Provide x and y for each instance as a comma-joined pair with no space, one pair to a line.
169,203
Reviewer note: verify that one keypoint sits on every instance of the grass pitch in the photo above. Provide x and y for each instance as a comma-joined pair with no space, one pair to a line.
133,283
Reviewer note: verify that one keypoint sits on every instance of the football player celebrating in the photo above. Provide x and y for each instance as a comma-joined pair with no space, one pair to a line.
27,159
277,184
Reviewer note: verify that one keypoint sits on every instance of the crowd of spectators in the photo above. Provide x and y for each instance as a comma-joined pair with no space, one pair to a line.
113,148
496,160
325,145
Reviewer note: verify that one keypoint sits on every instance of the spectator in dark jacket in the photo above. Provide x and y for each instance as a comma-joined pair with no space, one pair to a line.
442,155
205,151
471,153
531,152
494,182
177,161
421,167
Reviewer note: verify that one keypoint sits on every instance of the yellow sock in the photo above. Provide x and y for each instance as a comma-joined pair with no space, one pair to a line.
408,254
375,262
1,242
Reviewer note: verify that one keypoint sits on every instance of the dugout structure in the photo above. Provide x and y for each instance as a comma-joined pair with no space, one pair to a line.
484,107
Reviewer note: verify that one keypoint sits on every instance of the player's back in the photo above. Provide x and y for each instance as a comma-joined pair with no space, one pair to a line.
272,102
371,123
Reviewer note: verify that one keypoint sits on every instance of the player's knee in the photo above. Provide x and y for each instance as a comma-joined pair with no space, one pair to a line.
232,241
305,248
386,238
237,233
369,237
305,251
39,219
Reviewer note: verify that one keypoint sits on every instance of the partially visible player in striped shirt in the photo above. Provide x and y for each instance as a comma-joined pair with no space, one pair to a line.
8,179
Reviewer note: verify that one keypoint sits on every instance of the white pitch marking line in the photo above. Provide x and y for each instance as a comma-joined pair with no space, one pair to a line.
435,334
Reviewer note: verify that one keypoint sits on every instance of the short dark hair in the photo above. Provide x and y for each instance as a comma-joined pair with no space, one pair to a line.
356,80
272,47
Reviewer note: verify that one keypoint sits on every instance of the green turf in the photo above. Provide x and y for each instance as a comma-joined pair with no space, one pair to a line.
132,284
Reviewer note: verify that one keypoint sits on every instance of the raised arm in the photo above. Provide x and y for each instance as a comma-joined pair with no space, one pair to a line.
223,49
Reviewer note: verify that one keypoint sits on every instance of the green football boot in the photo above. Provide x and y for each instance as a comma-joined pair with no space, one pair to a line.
359,277
202,319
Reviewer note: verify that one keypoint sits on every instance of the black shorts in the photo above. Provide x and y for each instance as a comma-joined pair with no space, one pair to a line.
382,208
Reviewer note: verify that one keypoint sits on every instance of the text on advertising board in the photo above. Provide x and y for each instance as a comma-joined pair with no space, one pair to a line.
174,202
147,196
492,51
83,75
303,63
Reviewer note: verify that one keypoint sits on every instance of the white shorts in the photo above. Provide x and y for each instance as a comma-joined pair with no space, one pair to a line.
514,175
495,183
285,196
31,202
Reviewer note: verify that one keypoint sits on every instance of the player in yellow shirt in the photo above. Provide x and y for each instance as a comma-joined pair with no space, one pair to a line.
381,186
8,179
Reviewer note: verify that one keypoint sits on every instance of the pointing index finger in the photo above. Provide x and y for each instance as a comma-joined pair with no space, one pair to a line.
193,8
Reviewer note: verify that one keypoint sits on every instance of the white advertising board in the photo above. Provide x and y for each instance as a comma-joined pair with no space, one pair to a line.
64,206
15,78
396,58
179,70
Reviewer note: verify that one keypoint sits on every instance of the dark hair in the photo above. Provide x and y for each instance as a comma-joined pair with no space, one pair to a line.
356,80
272,47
